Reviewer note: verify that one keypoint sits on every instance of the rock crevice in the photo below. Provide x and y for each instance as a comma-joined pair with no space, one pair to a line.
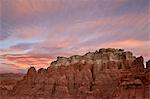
104,74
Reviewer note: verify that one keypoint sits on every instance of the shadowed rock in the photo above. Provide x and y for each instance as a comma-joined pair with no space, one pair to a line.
148,64
104,74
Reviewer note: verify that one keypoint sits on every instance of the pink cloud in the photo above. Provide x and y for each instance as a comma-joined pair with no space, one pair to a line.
23,60
28,32
129,43
136,46
25,8
102,25
28,8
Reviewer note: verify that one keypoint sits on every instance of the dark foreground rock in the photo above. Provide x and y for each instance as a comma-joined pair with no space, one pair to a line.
104,74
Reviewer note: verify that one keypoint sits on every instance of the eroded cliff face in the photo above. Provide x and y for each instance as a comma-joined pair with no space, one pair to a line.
98,57
8,81
104,74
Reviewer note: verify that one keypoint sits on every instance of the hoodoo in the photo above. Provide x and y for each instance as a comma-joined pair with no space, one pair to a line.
104,74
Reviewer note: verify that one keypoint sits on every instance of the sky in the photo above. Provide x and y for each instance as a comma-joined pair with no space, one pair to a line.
35,32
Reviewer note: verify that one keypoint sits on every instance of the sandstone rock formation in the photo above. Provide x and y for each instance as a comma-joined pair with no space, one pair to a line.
148,64
104,74
8,81
98,57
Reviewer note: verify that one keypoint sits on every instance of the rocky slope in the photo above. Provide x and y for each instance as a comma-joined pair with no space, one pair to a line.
8,81
104,74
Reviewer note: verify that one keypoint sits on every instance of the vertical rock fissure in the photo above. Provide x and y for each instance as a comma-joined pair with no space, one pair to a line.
53,89
93,78
92,72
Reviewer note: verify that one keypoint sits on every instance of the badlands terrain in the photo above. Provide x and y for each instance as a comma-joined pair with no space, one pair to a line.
103,74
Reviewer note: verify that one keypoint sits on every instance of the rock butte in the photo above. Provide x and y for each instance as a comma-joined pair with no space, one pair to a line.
104,74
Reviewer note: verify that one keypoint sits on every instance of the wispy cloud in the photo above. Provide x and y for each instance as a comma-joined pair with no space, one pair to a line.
35,32
24,60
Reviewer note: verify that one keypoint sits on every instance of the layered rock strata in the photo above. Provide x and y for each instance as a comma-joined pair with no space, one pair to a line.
104,74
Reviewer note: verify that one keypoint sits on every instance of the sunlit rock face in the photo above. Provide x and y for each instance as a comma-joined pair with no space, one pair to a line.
104,74
98,57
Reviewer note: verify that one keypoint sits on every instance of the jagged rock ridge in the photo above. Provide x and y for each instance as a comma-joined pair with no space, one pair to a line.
104,74
98,57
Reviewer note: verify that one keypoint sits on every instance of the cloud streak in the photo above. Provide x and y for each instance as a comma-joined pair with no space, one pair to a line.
24,60
35,32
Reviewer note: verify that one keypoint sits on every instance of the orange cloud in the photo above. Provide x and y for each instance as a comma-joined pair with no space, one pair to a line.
9,67
129,43
14,64
23,61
